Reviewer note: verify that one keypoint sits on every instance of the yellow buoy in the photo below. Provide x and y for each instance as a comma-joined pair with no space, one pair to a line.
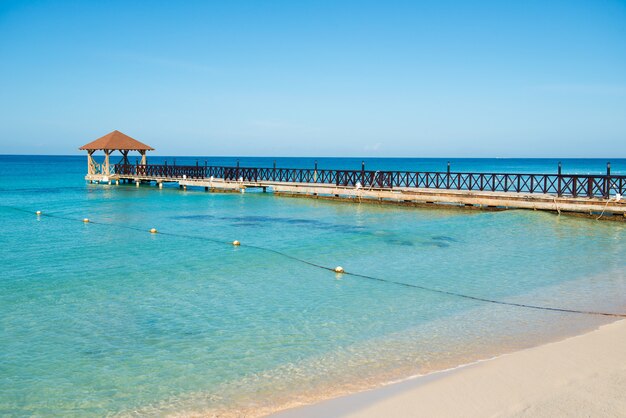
236,243
339,269
153,231
38,212
86,220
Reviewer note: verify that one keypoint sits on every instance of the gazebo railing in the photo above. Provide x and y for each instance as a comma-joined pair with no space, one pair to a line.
574,185
97,168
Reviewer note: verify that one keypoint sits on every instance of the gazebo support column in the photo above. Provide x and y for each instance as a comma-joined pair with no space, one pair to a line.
107,165
143,157
90,163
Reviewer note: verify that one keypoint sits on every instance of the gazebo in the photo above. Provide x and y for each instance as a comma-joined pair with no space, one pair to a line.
114,141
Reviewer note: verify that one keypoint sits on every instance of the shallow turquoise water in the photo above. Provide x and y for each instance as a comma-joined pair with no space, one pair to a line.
100,319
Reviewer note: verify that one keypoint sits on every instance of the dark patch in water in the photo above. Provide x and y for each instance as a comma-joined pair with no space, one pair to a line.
398,241
257,220
302,221
437,244
248,224
196,217
444,238
95,352
250,218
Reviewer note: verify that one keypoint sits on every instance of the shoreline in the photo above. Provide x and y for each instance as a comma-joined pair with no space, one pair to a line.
581,374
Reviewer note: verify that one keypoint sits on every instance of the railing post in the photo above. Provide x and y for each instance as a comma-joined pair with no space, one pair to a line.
448,176
274,171
237,171
362,173
607,181
559,192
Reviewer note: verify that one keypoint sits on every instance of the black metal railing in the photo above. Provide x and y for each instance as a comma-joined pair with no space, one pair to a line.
574,185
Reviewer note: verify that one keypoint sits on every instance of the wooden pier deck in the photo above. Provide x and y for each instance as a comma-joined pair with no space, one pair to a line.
589,195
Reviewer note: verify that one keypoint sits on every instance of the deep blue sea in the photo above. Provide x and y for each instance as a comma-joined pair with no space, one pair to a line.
104,318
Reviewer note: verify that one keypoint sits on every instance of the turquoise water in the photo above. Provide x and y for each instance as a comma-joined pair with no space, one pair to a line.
100,319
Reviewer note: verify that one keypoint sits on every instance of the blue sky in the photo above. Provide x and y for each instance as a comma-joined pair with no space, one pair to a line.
318,78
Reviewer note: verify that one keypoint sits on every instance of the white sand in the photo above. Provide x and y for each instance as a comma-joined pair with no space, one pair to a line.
582,376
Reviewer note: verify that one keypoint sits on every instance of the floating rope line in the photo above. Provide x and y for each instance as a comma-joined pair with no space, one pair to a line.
320,266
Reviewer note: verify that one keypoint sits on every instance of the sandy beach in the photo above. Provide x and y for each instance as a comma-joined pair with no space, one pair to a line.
582,376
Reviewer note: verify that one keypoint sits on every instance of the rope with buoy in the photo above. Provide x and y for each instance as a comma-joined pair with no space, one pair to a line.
338,270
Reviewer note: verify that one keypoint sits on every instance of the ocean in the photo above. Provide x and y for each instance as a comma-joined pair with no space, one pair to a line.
104,318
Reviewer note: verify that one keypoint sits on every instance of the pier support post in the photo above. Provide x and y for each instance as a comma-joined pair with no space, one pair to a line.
160,185
137,183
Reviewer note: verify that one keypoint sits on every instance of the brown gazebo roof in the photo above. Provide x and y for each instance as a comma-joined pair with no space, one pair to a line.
116,141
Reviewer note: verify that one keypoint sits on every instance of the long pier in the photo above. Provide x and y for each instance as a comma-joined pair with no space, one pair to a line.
590,195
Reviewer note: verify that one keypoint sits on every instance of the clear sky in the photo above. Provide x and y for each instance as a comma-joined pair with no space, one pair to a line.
317,78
